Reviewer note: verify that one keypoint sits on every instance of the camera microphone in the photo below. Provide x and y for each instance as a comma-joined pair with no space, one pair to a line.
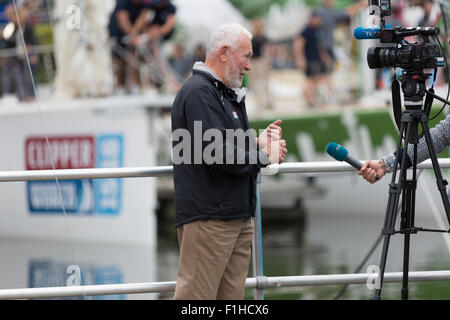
368,32
339,153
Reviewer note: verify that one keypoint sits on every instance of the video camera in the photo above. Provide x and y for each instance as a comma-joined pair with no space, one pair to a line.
410,56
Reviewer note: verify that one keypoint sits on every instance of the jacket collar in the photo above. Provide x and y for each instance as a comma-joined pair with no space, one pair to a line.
237,94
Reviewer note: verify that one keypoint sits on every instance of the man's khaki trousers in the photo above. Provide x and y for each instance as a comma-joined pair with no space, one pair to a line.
214,259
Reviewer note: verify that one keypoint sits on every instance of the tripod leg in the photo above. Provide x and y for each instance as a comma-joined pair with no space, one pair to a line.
390,215
441,183
391,210
409,199
406,247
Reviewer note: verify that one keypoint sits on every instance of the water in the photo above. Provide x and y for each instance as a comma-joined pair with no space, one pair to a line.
321,244
331,244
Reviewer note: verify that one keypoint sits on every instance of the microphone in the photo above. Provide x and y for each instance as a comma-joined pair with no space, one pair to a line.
368,32
341,154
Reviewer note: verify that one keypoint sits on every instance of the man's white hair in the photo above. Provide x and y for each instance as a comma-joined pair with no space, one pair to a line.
227,35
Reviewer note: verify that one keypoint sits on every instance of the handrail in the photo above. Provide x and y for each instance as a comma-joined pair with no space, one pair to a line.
79,174
135,172
259,282
37,49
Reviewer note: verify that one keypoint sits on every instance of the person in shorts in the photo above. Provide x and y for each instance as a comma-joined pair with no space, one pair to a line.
311,57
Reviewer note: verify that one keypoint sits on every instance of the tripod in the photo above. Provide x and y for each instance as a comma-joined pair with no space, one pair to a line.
413,87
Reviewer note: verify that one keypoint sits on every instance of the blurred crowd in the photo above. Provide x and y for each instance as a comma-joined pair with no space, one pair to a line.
138,29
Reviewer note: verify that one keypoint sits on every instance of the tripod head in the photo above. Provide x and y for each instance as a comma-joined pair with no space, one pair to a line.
413,85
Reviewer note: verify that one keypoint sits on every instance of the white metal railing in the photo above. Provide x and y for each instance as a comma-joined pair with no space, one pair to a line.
74,174
252,283
137,172
37,49
258,282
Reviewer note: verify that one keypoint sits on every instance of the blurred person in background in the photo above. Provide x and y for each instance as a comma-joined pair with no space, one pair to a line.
127,22
15,72
259,75
311,57
199,53
161,24
331,17
180,62
429,19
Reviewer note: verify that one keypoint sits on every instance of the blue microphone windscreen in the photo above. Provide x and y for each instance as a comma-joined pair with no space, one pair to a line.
337,151
368,32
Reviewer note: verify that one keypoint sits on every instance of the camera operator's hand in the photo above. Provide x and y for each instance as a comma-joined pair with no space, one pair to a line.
373,171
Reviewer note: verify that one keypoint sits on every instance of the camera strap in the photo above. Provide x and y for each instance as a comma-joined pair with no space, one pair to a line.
429,97
396,101
428,101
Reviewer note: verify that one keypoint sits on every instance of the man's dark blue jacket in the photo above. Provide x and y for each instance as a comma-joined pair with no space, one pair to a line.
213,191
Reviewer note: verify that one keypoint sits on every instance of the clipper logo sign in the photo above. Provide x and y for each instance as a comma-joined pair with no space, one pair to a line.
81,197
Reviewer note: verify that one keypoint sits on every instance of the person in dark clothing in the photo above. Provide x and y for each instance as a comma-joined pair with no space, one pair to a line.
428,20
163,23
215,188
124,18
125,25
311,57
259,76
331,17
180,62
15,72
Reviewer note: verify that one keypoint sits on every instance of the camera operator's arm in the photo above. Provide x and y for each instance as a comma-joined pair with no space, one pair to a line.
440,136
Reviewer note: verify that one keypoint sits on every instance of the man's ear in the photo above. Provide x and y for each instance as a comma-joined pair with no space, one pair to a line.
223,53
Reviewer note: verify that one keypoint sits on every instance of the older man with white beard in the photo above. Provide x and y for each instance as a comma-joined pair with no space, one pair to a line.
215,201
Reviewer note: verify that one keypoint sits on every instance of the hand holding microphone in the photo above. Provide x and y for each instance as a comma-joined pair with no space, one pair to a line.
370,170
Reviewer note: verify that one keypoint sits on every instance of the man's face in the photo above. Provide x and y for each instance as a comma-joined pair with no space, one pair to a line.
239,63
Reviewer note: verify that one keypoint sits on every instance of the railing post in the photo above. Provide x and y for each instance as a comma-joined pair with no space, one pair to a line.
257,251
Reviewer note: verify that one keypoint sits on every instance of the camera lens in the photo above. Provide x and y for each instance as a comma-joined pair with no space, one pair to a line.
378,57
373,58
